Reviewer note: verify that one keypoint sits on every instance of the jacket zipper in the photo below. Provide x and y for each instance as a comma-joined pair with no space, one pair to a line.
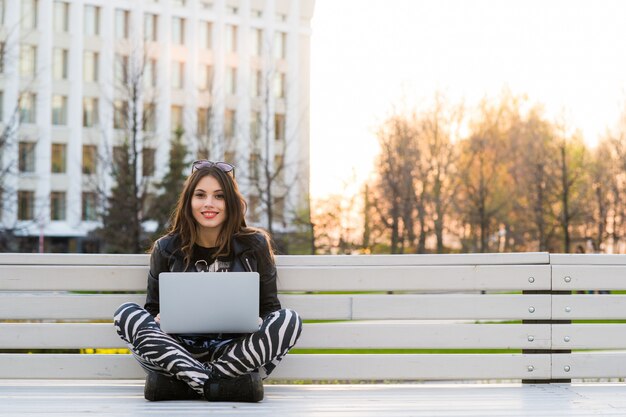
249,266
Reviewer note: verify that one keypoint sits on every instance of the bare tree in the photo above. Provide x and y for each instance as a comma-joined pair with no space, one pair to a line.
573,180
603,182
122,230
531,223
274,172
10,150
484,183
397,187
335,224
437,129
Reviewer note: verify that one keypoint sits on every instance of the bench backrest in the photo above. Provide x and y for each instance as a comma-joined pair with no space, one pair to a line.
379,317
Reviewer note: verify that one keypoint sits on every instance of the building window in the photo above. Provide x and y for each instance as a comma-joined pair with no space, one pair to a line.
121,69
27,156
178,31
147,157
59,110
61,16
257,14
232,10
25,205
90,158
203,121
2,11
150,27
253,208
231,80
280,45
206,4
178,74
27,108
255,127
120,112
59,64
229,123
230,156
205,77
206,35
89,212
279,208
256,42
279,126
59,158
28,61
121,23
177,117
178,3
150,73
29,14
149,117
57,205
257,83
120,157
91,20
90,66
90,111
279,85
3,51
231,38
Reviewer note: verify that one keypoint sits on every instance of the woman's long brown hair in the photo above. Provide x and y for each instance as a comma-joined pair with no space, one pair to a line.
184,225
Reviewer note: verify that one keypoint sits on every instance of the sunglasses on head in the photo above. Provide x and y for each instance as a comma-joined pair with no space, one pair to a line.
203,163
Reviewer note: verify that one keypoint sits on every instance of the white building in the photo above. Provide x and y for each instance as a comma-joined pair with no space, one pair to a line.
205,64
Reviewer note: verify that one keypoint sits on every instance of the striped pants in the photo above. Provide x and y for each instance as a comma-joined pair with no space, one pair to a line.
195,359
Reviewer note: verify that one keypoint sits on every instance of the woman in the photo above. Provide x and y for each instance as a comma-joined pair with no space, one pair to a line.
208,233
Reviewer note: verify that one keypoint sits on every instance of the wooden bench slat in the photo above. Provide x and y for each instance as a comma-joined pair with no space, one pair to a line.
521,258
299,367
73,278
20,306
588,307
589,365
452,306
293,278
310,307
69,259
589,336
589,277
587,259
525,258
44,306
377,335
383,335
416,278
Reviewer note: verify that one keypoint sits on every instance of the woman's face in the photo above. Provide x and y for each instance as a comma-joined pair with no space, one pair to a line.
208,204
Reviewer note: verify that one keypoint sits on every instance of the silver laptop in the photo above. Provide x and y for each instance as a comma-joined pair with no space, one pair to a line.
209,302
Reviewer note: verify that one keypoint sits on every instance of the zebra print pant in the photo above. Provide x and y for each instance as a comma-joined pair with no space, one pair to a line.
196,359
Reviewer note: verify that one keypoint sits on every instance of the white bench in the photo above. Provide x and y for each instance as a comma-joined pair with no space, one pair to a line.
517,304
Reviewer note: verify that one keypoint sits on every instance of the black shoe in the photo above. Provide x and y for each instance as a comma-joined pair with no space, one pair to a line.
164,388
246,388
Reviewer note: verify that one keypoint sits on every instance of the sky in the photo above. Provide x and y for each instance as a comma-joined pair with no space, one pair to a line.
368,56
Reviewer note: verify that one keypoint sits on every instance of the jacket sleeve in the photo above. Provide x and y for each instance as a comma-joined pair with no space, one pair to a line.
267,272
158,264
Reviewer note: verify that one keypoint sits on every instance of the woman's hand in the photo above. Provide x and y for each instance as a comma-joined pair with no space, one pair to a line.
157,318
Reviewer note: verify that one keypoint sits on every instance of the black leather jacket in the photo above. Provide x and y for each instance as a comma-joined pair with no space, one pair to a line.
249,254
